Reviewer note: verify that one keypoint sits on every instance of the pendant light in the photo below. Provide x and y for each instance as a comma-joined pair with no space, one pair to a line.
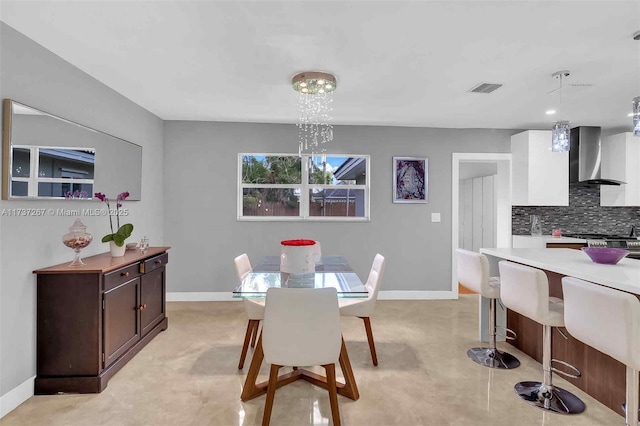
636,116
636,102
561,130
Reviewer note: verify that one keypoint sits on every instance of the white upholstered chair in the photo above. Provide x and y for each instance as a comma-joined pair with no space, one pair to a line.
363,308
608,320
525,290
253,307
473,273
301,327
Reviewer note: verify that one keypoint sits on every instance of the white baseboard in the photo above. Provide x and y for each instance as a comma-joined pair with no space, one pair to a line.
219,296
16,396
416,295
211,296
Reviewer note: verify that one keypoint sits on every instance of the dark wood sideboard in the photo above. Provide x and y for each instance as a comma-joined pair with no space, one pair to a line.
92,319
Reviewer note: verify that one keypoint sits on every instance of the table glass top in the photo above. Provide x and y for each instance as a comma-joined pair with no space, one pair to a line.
331,271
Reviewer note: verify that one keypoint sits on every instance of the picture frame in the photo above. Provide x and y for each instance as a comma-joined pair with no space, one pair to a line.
410,180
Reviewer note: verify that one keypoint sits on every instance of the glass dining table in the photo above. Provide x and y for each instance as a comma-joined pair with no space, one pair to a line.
330,271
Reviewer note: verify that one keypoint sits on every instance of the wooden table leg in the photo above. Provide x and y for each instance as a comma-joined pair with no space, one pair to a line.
251,389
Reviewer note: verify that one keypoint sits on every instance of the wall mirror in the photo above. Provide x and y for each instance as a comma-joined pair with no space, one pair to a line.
48,157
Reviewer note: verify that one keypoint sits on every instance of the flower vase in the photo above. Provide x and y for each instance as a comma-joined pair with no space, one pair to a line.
115,250
297,256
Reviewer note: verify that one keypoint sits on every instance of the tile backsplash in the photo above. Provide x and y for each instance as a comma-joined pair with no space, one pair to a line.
583,215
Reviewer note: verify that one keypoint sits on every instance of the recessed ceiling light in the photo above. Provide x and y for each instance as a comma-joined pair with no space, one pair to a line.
550,111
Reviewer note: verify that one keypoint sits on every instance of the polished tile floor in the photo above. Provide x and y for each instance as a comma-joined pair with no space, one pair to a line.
188,375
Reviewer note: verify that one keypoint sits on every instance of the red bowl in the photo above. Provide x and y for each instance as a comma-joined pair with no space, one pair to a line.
605,255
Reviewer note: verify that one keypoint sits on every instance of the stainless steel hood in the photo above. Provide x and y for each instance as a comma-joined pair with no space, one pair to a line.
585,157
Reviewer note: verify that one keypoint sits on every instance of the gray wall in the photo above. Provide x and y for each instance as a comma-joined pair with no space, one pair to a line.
201,190
583,215
34,76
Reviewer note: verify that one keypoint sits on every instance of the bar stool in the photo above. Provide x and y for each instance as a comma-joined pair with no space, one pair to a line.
526,290
618,335
473,273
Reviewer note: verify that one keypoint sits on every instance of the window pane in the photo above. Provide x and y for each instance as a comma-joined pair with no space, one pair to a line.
20,162
74,190
334,170
66,163
19,189
271,169
270,202
345,202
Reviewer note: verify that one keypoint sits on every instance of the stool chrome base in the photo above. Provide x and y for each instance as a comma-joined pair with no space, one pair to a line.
493,358
553,398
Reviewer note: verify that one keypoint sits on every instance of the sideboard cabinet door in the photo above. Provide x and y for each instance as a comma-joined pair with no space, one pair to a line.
152,295
121,320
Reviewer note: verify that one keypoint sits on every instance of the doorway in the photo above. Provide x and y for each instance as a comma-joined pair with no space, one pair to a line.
473,168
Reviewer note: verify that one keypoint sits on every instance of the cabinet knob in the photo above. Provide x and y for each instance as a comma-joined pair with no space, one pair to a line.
141,307
159,261
124,274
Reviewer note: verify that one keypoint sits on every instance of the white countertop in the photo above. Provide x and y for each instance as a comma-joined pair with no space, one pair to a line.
624,276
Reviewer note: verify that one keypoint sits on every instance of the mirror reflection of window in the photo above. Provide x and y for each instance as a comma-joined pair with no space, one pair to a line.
62,172
52,157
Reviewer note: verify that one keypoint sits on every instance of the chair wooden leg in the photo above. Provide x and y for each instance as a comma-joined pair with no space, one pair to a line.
333,392
372,346
245,345
254,335
271,393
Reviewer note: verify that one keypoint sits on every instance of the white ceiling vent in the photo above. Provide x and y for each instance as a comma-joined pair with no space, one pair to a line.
485,88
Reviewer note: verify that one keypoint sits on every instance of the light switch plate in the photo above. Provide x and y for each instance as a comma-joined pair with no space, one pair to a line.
435,217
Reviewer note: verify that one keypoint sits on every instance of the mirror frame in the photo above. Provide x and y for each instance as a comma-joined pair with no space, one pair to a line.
7,125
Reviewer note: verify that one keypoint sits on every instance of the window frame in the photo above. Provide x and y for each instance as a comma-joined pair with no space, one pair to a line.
305,188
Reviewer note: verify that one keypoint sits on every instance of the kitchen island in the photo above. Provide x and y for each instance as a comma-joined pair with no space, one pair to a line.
602,376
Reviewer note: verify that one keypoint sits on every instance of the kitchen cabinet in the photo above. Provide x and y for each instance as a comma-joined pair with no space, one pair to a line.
540,177
92,319
620,158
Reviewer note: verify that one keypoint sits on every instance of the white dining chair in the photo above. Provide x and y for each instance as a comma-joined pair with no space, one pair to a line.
363,308
302,328
253,307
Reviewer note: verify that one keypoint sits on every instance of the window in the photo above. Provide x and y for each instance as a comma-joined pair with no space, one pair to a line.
293,187
42,171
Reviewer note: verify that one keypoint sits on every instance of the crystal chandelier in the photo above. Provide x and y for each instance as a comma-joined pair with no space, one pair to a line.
315,90
636,116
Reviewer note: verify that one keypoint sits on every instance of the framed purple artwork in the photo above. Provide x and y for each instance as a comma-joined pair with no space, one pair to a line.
410,180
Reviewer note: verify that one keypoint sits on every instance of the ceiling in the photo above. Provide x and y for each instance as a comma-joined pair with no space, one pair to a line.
401,63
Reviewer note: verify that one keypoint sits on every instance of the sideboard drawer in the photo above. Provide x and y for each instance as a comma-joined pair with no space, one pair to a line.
121,276
154,263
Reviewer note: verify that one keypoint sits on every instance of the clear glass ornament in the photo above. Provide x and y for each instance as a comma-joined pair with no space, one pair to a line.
77,238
